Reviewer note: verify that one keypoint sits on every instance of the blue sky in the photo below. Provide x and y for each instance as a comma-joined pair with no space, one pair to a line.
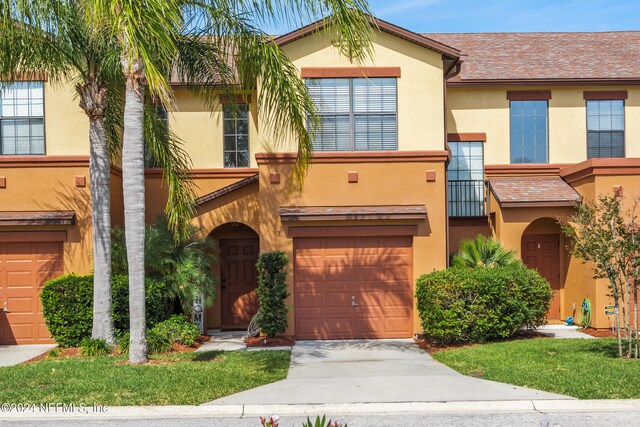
510,15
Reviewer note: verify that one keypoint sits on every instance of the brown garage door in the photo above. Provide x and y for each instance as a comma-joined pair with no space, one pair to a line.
24,267
356,287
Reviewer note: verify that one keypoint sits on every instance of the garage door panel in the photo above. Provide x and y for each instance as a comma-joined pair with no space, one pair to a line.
24,269
367,268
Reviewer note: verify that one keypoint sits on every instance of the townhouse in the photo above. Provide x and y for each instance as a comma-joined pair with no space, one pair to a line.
438,137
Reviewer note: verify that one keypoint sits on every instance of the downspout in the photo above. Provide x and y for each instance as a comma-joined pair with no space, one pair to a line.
456,67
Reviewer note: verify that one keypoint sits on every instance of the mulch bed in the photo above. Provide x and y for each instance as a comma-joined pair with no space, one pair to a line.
431,346
599,333
64,353
285,341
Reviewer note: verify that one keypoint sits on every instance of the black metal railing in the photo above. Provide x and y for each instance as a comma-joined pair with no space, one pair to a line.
467,198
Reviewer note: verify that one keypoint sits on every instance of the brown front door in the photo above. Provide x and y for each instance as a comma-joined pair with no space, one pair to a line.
542,252
353,287
24,268
238,281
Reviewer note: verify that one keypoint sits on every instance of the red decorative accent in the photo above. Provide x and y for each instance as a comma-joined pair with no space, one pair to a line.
352,176
467,137
618,191
430,176
344,72
612,95
528,95
274,178
3,182
81,181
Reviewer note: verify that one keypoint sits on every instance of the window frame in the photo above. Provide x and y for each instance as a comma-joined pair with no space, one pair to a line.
43,117
225,107
547,133
483,201
624,131
352,115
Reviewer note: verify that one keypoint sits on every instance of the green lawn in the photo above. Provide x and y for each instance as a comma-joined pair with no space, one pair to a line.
189,378
587,369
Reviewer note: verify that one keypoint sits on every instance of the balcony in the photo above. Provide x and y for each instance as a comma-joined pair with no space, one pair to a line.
467,198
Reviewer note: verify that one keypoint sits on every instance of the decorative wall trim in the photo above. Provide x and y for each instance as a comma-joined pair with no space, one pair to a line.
354,231
543,82
467,137
344,72
358,157
37,218
524,169
238,99
33,236
219,173
353,213
43,161
612,95
528,95
595,167
227,189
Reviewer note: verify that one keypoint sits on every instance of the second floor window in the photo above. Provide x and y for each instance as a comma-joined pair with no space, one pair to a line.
605,129
356,114
22,118
529,131
236,136
466,179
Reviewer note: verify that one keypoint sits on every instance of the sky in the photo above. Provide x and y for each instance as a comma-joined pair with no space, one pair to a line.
509,15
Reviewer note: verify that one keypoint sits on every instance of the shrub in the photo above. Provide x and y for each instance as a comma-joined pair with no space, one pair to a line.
54,352
178,329
272,291
157,343
67,305
464,305
90,347
483,252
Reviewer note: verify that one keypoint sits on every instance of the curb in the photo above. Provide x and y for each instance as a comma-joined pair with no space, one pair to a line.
331,409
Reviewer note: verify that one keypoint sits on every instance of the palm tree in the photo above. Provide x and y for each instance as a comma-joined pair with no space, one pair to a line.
155,33
56,38
483,252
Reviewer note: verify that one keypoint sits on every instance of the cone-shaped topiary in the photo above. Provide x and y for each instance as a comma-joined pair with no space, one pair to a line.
272,291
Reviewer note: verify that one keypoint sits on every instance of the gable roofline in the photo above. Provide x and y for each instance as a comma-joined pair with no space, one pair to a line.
384,26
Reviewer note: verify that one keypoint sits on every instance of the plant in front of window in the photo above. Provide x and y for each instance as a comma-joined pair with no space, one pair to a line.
606,233
483,252
272,317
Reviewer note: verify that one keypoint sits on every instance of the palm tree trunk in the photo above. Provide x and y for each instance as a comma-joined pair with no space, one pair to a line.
134,219
99,172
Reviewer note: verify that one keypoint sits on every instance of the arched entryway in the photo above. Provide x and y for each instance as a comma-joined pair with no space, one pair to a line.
238,248
541,250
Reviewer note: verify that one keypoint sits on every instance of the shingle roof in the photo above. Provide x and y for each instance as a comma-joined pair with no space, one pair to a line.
318,213
548,56
519,191
226,190
38,218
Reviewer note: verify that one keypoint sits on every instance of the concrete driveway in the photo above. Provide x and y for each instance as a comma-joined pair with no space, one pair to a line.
357,371
15,354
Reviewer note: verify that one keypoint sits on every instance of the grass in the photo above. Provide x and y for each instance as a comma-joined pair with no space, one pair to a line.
586,369
175,379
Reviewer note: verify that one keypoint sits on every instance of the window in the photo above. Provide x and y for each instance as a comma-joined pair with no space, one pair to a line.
529,132
21,118
236,136
466,179
605,129
356,114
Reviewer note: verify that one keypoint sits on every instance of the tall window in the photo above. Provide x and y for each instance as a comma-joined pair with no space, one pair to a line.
236,136
22,118
605,129
466,179
529,132
356,114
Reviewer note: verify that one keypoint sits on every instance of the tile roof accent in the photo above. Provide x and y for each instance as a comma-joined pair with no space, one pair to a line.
37,218
525,191
227,189
546,56
344,213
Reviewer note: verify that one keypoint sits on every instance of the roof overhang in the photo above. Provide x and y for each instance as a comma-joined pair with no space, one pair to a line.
227,189
349,213
8,218
533,191
386,27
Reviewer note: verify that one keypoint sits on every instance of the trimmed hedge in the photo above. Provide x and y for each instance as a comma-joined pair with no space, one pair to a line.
178,329
67,305
466,305
272,318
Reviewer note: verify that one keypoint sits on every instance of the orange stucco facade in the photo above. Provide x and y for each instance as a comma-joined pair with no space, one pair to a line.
415,174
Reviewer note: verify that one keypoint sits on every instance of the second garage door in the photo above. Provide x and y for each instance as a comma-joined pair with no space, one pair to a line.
24,268
358,287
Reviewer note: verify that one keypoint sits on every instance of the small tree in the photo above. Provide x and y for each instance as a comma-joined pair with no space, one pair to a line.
272,292
606,233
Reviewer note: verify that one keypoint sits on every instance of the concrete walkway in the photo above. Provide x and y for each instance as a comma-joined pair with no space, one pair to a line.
563,331
15,354
369,371
224,341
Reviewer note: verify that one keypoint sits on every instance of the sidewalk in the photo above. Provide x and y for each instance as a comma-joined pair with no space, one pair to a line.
331,410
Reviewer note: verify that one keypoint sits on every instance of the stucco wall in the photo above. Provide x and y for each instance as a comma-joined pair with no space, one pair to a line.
487,110
66,125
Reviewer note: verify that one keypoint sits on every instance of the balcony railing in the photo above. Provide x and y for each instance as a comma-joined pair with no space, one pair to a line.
467,198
